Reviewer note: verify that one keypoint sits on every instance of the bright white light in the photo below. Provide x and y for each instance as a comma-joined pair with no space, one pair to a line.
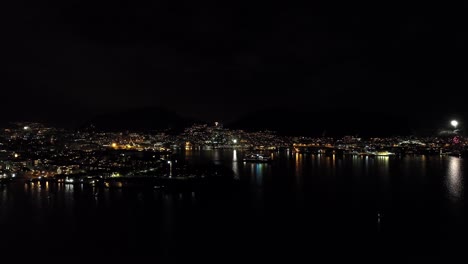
13,175
26,128
234,141
454,123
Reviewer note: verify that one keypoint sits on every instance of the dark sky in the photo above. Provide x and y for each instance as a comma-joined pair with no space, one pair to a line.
213,61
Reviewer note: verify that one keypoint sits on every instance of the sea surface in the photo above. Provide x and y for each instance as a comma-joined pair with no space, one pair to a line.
298,208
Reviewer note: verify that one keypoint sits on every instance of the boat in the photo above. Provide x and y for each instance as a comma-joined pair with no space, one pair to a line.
353,152
384,153
257,157
368,154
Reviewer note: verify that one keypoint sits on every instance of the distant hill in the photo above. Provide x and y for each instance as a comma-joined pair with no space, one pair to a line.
139,119
356,122
134,119
58,116
388,121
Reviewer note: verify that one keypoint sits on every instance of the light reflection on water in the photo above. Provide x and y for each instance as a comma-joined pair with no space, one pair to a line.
454,178
382,163
298,165
379,167
3,201
256,170
235,164
305,166
336,188
234,155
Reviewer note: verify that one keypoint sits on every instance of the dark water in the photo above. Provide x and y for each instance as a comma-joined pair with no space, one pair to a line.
301,207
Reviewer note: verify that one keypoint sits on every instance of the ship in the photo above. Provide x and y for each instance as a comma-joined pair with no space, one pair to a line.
257,157
385,153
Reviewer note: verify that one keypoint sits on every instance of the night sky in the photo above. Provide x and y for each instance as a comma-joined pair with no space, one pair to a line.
213,61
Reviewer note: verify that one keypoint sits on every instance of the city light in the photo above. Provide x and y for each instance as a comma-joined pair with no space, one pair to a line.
234,141
170,168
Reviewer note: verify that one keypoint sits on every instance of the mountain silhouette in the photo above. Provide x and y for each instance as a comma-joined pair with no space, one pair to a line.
139,119
326,122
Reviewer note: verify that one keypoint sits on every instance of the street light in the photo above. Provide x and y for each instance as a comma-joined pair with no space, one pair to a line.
454,123
170,168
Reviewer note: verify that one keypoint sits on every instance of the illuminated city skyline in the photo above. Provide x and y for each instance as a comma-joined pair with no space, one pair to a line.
243,131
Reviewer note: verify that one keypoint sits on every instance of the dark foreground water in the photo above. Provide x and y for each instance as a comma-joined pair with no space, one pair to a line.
300,208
